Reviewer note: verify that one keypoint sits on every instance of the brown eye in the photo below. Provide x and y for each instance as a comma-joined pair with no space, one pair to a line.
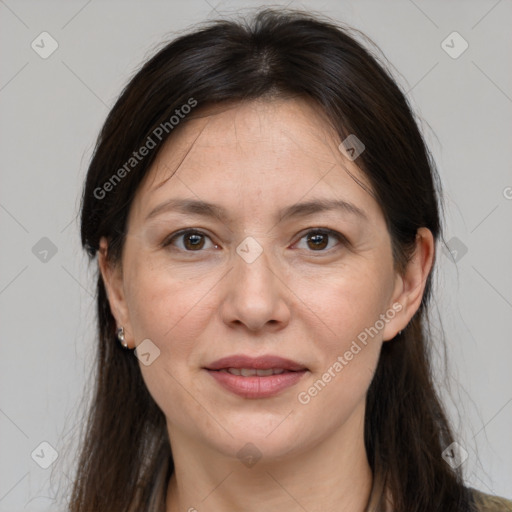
194,241
189,241
317,240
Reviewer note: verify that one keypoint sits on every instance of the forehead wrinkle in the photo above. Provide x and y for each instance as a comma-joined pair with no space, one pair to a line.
214,111
269,109
341,161
331,135
304,195
302,150
209,112
185,156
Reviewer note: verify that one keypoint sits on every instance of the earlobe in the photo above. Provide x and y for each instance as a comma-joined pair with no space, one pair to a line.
411,284
112,278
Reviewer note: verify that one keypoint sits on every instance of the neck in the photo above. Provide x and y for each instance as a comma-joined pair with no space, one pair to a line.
331,475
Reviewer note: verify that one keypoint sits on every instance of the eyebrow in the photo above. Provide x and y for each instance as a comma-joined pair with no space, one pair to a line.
205,209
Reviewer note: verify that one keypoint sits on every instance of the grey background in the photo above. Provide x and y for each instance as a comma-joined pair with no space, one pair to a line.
51,111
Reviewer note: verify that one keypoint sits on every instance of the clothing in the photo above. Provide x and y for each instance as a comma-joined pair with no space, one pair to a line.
487,503
481,502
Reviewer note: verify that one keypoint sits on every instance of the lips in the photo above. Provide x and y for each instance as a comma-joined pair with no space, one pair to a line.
257,363
260,377
251,372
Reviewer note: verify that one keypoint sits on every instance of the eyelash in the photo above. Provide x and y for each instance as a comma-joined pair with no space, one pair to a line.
322,231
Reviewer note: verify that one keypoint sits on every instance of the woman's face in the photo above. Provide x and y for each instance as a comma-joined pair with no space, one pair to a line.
263,271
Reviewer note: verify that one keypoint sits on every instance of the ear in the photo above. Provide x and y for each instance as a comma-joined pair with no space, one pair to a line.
113,279
410,285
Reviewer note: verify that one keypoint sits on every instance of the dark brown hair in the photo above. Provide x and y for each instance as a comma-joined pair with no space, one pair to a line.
125,458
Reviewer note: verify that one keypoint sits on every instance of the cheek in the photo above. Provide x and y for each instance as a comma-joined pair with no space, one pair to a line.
166,305
336,395
345,303
347,346
171,311
347,306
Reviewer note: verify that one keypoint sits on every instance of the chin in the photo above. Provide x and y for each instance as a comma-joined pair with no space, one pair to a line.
258,436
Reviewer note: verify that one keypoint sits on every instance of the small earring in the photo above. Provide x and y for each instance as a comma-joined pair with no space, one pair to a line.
399,332
120,337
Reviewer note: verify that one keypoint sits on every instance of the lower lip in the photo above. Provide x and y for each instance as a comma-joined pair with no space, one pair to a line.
254,386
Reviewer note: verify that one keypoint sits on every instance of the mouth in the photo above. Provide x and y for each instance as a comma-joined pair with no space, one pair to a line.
260,377
267,362
251,372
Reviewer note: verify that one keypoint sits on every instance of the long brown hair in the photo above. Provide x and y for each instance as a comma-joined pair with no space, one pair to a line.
125,460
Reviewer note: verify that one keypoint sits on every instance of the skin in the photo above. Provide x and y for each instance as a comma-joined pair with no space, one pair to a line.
295,300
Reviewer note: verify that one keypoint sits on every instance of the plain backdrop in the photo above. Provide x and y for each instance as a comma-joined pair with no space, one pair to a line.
51,111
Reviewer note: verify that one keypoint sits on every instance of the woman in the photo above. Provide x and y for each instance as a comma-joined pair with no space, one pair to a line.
265,215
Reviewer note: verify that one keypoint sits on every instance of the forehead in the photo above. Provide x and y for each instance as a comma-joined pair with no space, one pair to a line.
272,152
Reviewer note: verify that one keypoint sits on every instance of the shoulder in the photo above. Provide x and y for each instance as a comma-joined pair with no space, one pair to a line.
487,503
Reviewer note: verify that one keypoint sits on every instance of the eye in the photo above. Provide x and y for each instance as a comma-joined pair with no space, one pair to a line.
191,240
319,239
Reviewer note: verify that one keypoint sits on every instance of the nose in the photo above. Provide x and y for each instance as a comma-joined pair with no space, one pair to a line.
256,296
